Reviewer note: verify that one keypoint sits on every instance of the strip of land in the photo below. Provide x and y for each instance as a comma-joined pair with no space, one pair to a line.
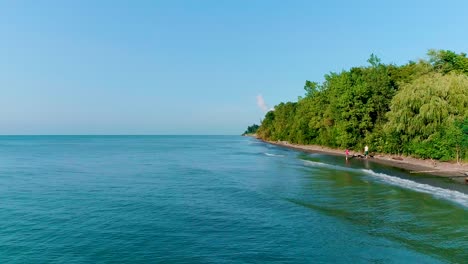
455,171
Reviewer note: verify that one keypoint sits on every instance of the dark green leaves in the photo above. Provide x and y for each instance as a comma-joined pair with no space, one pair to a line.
420,108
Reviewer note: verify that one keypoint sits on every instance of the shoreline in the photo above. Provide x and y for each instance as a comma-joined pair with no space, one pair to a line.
454,171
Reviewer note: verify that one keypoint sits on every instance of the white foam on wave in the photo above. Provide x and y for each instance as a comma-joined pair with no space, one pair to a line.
447,194
451,195
328,166
273,155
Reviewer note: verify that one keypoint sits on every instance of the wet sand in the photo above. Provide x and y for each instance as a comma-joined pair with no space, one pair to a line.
455,171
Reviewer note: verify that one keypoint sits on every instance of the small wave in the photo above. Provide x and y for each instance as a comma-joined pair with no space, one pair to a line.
273,155
438,192
328,166
447,194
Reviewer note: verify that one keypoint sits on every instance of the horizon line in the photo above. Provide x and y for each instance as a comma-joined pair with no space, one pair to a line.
9,135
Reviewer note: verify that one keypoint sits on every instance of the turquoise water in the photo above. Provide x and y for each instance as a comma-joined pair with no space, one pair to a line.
217,199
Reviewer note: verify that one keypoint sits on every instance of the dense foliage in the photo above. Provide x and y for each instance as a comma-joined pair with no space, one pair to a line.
251,129
418,109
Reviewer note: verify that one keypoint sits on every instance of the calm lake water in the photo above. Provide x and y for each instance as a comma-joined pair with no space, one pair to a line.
217,199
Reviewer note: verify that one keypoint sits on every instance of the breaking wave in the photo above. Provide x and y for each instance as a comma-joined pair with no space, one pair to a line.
451,195
273,155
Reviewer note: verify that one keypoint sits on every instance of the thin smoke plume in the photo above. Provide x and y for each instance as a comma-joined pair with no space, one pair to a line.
261,103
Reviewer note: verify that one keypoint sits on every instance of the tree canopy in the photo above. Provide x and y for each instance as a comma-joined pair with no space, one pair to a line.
251,129
419,108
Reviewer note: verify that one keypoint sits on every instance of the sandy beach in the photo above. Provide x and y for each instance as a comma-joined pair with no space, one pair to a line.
455,171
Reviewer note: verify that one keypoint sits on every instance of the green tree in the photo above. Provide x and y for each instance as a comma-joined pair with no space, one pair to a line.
265,129
425,112
251,129
419,108
447,61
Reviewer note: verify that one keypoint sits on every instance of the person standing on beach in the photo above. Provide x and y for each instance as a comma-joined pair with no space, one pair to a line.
347,153
366,151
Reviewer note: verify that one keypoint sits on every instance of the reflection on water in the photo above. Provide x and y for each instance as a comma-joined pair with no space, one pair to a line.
418,220
217,199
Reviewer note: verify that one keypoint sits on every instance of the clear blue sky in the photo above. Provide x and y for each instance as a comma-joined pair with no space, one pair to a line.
194,67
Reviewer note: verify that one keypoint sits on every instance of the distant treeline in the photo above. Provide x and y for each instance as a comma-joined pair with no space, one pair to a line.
418,109
251,129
